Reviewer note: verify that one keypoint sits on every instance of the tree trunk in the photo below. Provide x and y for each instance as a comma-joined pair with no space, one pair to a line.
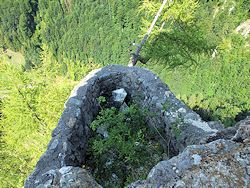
136,56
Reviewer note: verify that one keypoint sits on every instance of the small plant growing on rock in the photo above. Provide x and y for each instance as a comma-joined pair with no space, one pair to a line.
175,130
166,105
101,100
127,152
175,127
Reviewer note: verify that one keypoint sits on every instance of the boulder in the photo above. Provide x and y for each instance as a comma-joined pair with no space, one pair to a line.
119,95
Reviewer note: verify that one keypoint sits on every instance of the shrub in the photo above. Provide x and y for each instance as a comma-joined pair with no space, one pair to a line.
129,151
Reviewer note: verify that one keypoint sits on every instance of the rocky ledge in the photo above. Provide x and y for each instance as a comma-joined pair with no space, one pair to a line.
202,154
220,163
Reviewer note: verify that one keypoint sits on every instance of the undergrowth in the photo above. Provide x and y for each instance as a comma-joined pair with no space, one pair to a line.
129,151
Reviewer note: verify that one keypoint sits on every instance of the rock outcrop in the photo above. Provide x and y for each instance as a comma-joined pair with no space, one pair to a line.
204,148
221,163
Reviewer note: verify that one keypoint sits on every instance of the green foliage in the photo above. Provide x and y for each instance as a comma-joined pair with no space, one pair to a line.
91,31
166,105
128,150
17,22
32,102
218,87
201,57
175,127
101,100
18,26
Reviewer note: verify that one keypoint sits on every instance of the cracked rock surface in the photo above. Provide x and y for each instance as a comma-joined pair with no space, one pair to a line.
221,163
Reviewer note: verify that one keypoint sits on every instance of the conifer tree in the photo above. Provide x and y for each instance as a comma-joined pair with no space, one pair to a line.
136,56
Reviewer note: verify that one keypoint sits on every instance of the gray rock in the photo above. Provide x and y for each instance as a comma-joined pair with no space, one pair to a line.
221,163
75,177
221,134
119,95
69,177
197,159
243,133
102,130
124,107
216,125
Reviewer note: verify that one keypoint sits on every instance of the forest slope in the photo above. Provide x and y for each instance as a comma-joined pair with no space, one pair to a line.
194,48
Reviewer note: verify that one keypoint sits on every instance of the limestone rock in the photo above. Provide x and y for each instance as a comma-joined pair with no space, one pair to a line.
68,177
243,133
119,95
221,163
75,177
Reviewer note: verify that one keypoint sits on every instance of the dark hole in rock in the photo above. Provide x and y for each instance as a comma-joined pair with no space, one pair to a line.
242,115
205,114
